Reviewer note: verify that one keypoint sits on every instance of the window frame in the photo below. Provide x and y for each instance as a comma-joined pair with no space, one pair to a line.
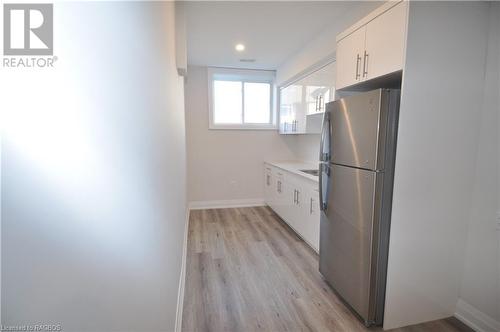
243,76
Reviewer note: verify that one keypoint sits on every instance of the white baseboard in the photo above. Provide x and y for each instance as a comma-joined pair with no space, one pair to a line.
231,203
475,319
182,277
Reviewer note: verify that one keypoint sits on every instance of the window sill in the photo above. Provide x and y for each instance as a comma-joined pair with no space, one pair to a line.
242,127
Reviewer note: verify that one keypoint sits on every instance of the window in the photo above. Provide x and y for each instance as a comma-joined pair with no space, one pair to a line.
241,99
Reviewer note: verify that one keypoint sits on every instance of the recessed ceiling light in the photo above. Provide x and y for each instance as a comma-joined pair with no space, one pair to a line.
239,47
247,60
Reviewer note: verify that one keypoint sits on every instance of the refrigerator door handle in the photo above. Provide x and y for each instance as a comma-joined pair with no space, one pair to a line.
321,187
323,196
325,135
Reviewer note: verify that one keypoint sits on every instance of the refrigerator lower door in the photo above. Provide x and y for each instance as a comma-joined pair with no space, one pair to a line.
348,222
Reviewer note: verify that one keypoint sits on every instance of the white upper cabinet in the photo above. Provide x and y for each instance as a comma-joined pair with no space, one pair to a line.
373,47
302,103
292,110
319,88
385,42
350,52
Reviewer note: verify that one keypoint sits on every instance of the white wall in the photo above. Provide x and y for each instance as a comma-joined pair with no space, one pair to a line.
306,147
225,164
93,174
479,303
436,156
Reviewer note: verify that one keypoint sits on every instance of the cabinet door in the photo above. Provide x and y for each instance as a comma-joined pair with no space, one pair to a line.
313,89
319,88
300,107
268,185
285,109
385,43
300,207
280,196
326,76
304,217
311,227
289,204
350,52
292,113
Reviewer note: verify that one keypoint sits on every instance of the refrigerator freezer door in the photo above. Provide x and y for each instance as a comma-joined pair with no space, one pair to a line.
346,234
356,122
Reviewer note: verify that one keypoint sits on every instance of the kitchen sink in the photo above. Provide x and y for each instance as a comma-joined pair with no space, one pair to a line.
314,172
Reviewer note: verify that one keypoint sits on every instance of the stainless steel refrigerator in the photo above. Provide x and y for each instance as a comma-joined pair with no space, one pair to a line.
358,144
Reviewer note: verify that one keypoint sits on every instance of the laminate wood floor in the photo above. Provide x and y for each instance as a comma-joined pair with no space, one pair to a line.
248,271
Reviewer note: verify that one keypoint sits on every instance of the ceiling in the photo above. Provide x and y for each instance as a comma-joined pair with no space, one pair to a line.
271,31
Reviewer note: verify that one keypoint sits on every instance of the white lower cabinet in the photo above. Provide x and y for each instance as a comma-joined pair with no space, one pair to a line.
313,215
280,196
268,182
295,199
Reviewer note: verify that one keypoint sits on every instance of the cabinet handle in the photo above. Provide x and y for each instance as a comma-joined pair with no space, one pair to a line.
297,202
320,103
294,196
358,60
268,180
365,65
311,206
278,189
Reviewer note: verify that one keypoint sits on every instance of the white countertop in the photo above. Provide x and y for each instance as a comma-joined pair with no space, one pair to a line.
295,166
